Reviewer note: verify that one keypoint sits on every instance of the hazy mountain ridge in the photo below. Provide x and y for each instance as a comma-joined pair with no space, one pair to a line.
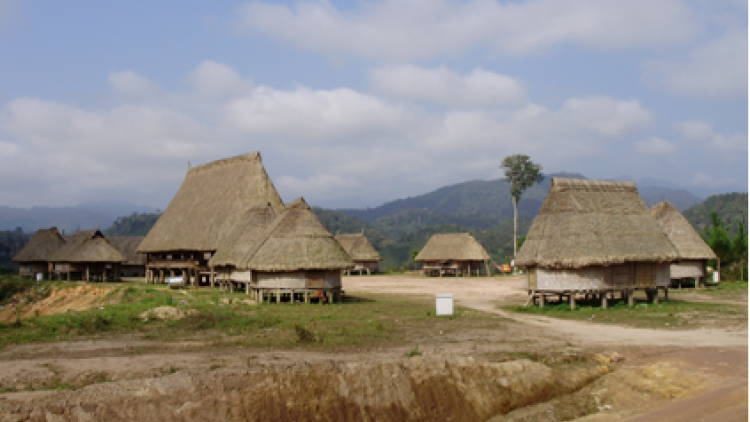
87,215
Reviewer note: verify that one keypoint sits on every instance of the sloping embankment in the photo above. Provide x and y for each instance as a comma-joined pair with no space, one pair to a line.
417,389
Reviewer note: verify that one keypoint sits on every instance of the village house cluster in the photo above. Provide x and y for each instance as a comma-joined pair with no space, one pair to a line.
227,226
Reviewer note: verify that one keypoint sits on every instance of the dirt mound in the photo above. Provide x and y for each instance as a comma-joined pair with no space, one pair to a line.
61,299
417,389
167,312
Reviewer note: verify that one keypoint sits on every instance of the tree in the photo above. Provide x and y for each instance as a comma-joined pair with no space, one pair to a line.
718,239
739,248
522,174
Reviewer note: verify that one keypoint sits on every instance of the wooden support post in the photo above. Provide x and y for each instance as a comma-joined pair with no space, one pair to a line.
631,298
542,299
572,300
212,276
307,296
278,296
655,297
104,274
605,303
329,295
87,273
666,294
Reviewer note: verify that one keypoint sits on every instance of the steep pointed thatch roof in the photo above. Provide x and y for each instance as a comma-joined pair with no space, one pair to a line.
294,240
127,245
590,222
358,247
87,246
245,236
689,244
210,203
452,246
41,246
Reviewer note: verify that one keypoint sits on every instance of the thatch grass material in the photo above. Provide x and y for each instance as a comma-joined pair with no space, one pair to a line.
41,247
294,240
358,247
689,244
590,222
452,247
128,245
245,236
87,246
211,203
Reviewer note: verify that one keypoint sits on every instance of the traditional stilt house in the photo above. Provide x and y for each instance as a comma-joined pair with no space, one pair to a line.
294,256
692,249
206,209
135,266
87,255
34,258
361,251
453,253
594,238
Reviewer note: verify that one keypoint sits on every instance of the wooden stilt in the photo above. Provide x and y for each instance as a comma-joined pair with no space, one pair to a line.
542,300
307,296
572,300
655,297
666,294
87,273
605,303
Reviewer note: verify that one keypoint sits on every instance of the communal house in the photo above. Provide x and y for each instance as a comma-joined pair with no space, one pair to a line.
34,258
361,251
595,238
87,255
453,254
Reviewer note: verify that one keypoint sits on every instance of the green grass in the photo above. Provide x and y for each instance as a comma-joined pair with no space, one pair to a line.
357,322
674,314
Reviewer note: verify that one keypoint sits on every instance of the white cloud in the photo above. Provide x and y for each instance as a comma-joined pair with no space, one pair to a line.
218,80
335,147
441,86
130,84
717,68
702,135
655,146
397,30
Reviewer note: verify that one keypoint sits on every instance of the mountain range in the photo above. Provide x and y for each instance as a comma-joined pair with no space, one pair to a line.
87,215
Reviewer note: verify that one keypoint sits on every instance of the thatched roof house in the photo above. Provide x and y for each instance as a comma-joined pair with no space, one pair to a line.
291,253
692,249
85,252
361,251
452,253
128,245
34,257
206,211
593,234
210,203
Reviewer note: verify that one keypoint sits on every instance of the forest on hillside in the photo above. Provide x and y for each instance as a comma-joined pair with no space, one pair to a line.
731,208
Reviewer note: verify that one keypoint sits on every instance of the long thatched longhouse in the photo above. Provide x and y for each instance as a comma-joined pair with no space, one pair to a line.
34,258
361,251
692,249
207,208
135,266
453,253
289,255
595,238
87,255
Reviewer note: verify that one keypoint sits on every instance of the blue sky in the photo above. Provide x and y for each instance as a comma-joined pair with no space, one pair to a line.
356,103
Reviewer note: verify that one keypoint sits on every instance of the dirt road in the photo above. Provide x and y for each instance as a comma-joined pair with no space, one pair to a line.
694,350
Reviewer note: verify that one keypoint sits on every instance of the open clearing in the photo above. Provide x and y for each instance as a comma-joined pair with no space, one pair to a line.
202,349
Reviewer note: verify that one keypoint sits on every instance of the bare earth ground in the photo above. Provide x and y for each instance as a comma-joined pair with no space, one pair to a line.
712,359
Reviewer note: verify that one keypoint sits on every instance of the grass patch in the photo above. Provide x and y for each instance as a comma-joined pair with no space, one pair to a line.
670,315
214,316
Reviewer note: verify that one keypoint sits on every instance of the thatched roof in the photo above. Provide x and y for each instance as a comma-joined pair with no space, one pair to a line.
294,240
210,203
41,246
452,246
689,244
87,246
358,247
127,246
245,236
590,222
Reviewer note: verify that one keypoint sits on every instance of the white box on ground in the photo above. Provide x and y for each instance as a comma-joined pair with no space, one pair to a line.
716,276
175,281
444,304
39,276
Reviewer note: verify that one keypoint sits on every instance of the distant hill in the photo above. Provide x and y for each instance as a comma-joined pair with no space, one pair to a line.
87,215
730,207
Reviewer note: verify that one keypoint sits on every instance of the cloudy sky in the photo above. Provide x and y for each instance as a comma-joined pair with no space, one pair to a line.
355,103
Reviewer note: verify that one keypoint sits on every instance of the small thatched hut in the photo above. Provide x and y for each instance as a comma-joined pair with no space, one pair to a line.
692,249
34,258
135,266
361,251
86,255
292,255
594,238
208,206
453,253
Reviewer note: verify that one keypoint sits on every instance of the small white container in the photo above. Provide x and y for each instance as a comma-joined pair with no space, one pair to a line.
444,304
716,276
175,281
39,276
